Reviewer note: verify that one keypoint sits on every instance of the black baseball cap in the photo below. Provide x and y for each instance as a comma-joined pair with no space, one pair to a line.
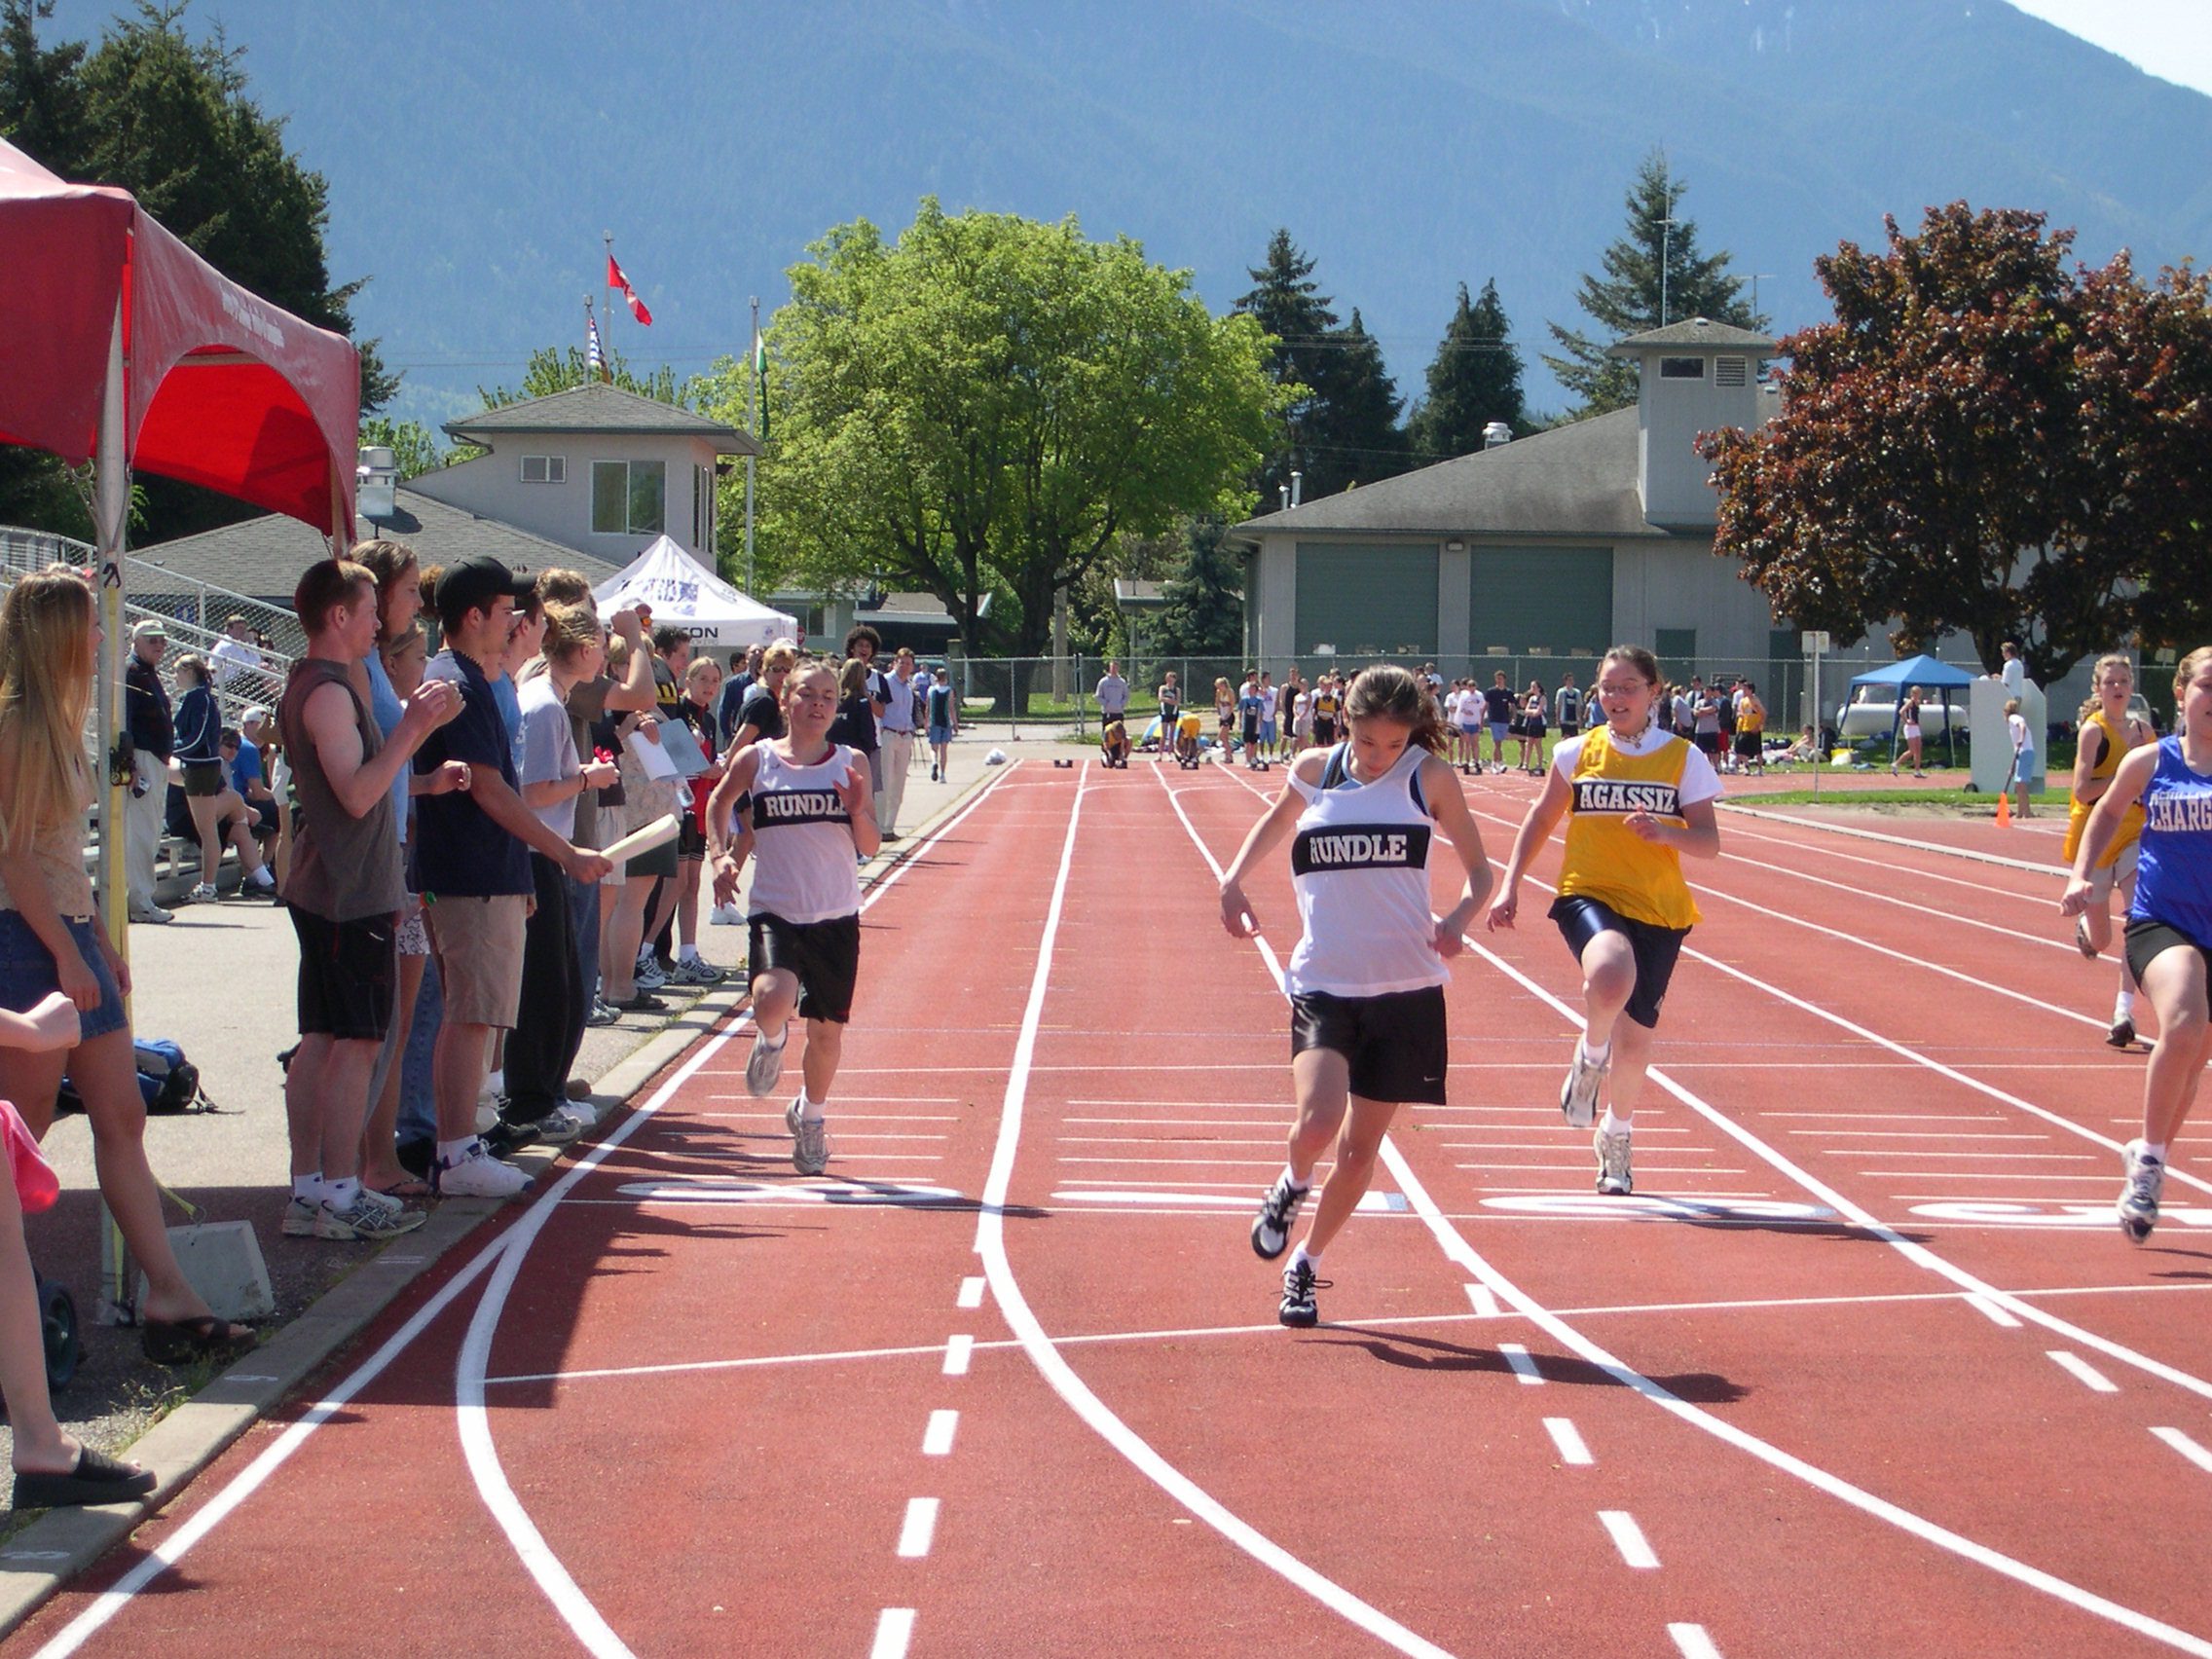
473,584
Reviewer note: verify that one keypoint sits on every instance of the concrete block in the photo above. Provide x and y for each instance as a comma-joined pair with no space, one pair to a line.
222,1261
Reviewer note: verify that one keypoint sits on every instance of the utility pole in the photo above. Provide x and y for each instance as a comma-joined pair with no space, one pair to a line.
752,417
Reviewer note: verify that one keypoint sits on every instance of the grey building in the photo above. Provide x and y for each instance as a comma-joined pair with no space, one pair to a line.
1556,545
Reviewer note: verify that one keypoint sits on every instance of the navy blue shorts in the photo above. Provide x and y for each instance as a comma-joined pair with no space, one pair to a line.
27,973
1656,948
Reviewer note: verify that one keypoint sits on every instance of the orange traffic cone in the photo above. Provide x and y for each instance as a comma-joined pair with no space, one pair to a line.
2004,811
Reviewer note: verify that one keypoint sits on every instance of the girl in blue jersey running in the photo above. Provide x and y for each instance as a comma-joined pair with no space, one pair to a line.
2169,923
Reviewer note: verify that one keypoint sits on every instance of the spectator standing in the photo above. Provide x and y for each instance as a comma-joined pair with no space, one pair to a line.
1566,706
471,863
2015,671
344,893
896,720
865,643
153,739
1113,695
744,666
942,712
1170,710
235,653
52,940
1498,716
218,813
702,684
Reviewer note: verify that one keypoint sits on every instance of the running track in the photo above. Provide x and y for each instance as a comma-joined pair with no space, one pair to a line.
1864,1367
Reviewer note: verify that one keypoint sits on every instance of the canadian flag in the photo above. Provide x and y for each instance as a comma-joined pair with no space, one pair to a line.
615,279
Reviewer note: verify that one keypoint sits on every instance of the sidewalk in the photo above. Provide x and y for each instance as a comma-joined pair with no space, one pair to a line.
220,980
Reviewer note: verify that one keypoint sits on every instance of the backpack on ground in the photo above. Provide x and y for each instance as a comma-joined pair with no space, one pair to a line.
168,1082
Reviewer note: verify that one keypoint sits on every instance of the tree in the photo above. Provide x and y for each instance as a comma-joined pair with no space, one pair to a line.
1475,378
1359,440
564,368
1632,297
986,406
413,446
1204,613
1983,440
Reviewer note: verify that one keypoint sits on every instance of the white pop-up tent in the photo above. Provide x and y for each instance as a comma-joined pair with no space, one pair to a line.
682,593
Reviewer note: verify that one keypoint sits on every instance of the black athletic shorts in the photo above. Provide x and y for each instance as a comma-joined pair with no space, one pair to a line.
691,840
2148,938
824,956
204,778
1706,741
1581,920
1750,744
1324,730
1396,1045
347,976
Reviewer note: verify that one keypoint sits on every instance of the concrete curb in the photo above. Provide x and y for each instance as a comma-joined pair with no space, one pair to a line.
46,1554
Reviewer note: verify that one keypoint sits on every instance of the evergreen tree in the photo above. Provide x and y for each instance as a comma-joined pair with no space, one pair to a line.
1204,611
1632,296
1474,379
1289,305
1357,439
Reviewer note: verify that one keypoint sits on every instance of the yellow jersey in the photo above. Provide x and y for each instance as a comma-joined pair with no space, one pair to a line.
2108,758
1607,860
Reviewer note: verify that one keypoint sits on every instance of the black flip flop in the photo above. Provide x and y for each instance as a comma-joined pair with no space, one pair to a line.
184,1342
98,1478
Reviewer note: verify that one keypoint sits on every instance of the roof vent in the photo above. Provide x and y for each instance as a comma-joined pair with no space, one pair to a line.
1496,434
376,485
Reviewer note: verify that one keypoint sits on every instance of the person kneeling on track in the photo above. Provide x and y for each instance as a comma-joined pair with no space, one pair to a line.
1366,982
1114,742
1187,728
810,813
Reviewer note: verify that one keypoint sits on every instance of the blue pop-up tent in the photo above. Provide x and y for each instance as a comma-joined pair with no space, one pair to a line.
1928,675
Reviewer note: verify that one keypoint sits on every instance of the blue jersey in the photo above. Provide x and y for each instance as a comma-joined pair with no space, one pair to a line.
2173,881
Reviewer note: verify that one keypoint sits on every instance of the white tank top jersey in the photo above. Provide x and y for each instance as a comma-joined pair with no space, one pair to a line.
803,865
1359,864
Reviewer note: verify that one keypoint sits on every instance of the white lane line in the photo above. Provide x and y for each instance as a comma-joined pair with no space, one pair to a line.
957,1352
1864,893
1750,811
2186,1447
936,1439
1692,1642
1568,1439
1516,1355
1485,1305
1628,1538
1911,1117
971,1292
1053,1365
918,1529
1918,1135
1989,1310
894,1630
2083,1371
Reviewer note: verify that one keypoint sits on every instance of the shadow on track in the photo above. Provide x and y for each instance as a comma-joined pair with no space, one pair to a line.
1429,1353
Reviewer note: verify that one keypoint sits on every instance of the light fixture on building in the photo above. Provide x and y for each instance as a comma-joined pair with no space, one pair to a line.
1455,546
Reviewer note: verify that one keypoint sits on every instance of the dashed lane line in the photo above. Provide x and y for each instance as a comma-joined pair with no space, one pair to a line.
1692,1642
2186,1447
958,1350
918,1529
894,1630
936,1439
1517,1355
2083,1371
1628,1538
1568,1439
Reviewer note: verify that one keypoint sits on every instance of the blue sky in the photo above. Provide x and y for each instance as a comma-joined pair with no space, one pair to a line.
2171,38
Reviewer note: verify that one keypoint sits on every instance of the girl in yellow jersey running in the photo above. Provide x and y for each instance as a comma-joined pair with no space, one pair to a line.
2107,732
1639,798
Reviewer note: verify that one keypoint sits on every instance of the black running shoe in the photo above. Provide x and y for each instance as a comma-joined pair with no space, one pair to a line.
1299,1284
1271,1231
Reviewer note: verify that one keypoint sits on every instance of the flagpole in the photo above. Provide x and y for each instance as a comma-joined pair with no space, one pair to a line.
607,335
751,391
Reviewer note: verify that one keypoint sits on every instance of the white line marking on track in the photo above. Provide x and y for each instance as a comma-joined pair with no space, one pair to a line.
971,1292
2081,1371
2186,1447
957,1352
918,1529
936,1439
1485,1304
894,1630
1628,1538
1568,1439
1692,1642
1989,1310
1516,1355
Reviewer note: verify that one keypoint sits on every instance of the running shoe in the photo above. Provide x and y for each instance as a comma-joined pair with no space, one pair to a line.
1578,1095
810,1141
1613,1177
477,1174
765,1064
602,1013
151,913
695,971
2082,937
726,916
203,892
366,1219
2139,1200
649,977
1299,1284
2122,1032
299,1217
555,1126
1279,1209
644,1002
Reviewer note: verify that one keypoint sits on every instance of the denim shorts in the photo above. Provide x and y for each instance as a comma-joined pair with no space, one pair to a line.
27,973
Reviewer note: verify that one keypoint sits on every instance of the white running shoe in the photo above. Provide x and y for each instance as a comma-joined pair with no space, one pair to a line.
810,1141
726,916
649,977
366,1219
299,1217
765,1066
2139,1200
695,971
1613,1177
1278,1212
477,1174
1578,1095
204,893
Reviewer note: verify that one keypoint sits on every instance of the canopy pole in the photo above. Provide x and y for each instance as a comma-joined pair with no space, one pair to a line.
110,506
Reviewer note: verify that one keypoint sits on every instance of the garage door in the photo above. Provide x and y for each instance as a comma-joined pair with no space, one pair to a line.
1552,598
1367,601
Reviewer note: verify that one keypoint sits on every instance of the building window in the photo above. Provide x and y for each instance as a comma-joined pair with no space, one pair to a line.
1729,371
629,497
1681,368
544,469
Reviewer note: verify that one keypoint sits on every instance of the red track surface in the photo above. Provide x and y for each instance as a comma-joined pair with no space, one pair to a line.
1797,1397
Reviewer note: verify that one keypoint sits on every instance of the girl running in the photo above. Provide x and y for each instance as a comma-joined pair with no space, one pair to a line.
810,813
1366,982
1908,726
2107,732
1639,798
2169,923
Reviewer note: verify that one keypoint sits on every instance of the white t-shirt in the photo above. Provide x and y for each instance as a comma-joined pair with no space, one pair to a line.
2017,725
2015,673
1700,782
548,751
231,658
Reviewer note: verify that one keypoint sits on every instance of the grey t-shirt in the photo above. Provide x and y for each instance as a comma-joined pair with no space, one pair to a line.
548,751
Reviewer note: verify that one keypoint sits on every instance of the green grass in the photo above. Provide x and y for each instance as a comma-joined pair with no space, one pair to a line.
2055,798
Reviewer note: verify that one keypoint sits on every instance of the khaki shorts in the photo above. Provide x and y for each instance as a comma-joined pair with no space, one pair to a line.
478,945
2120,872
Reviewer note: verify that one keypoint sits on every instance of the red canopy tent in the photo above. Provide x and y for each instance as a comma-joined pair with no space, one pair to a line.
120,345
